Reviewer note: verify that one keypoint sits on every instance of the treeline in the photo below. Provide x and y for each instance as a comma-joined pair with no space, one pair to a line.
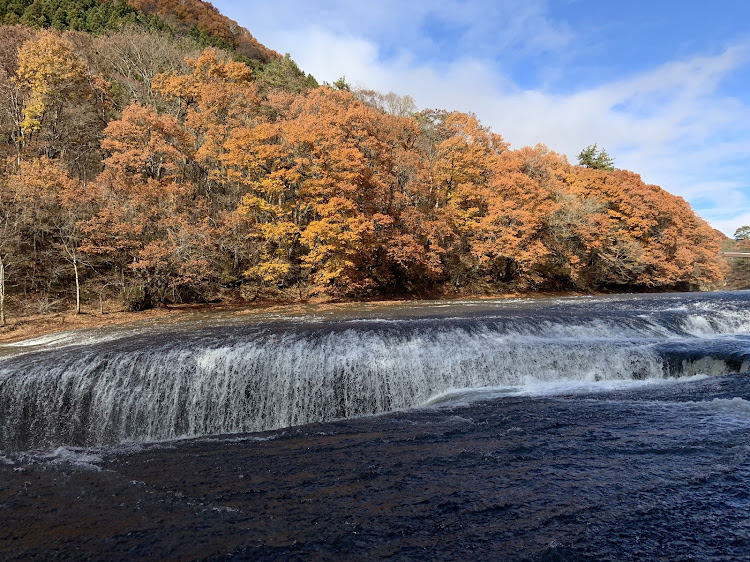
93,16
130,170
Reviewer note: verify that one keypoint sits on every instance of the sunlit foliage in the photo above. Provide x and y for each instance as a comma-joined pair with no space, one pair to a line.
135,161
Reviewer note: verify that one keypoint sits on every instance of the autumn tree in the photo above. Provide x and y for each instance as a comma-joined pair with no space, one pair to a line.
330,194
33,204
41,207
12,99
518,235
650,238
462,161
616,254
52,74
219,106
66,203
153,225
76,204
217,96
62,108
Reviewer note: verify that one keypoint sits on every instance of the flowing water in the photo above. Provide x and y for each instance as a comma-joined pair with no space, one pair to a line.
566,429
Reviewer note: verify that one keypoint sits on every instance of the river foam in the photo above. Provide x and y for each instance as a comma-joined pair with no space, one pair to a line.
261,376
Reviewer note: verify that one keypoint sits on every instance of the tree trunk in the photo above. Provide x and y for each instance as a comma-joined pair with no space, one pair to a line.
2,292
78,283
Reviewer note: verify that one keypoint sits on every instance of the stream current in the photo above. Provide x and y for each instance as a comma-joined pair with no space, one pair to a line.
566,429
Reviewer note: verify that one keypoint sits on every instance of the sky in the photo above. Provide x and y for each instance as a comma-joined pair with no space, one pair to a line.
663,86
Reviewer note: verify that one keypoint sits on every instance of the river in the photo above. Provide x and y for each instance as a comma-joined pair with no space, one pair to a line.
530,429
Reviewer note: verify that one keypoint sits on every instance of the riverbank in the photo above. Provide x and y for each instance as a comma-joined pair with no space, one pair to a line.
33,326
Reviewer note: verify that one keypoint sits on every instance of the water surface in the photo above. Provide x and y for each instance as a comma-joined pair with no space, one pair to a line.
596,428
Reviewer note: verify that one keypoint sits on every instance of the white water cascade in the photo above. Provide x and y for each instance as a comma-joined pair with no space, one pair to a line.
231,379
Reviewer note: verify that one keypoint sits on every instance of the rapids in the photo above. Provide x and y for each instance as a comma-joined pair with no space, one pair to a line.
228,376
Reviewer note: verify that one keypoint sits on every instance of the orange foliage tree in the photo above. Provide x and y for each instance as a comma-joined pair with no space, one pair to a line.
42,207
215,98
153,224
463,162
650,238
333,196
52,74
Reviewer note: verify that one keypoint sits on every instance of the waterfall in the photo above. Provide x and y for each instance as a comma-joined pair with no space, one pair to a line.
244,378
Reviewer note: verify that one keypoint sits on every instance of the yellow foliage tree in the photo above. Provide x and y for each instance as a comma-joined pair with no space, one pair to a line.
52,74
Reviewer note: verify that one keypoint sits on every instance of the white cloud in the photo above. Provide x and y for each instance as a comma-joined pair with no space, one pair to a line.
492,26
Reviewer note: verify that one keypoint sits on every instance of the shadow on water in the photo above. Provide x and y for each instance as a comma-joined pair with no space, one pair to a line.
648,473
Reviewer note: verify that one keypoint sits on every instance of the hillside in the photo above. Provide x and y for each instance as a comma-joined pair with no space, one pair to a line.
193,15
193,18
139,165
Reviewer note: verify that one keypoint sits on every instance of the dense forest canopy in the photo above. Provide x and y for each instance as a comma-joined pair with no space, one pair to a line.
137,162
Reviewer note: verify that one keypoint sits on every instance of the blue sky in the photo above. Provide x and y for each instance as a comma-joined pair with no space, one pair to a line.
662,85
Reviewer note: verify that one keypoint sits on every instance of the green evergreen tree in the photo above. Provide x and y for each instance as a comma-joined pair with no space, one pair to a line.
284,74
342,84
60,19
591,157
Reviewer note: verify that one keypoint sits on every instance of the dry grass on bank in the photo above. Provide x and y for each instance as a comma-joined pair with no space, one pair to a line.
32,326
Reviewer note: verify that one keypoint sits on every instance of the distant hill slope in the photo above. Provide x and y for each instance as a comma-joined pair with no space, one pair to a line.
193,18
196,14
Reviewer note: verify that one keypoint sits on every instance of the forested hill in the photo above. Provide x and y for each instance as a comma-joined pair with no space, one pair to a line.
193,15
193,18
145,155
